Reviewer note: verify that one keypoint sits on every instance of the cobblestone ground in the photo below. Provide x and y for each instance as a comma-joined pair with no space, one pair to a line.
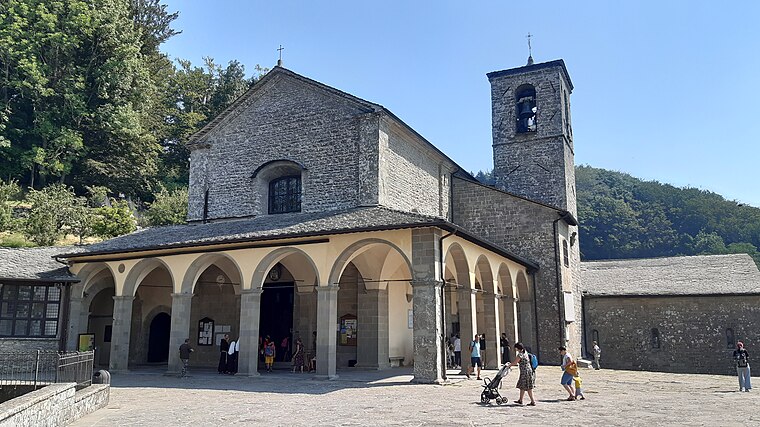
388,398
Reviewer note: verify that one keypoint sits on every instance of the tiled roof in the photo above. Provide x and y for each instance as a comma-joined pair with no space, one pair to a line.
35,264
687,275
262,227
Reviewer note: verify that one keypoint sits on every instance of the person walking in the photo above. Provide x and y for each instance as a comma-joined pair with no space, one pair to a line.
224,347
504,344
474,356
741,356
284,347
570,369
527,380
458,352
184,356
298,356
597,356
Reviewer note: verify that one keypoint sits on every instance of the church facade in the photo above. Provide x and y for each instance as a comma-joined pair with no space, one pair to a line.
317,215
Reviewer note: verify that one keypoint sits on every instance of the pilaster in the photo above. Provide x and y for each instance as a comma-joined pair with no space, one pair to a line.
250,315
120,333
180,329
327,320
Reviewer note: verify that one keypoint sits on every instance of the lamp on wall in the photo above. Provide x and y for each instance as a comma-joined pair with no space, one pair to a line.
572,238
409,296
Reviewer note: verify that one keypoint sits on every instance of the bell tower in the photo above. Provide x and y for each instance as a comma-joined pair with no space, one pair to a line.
532,133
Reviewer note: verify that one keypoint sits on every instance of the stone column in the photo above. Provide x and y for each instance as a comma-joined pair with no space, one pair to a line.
75,323
491,329
372,340
180,329
250,315
428,324
121,328
327,320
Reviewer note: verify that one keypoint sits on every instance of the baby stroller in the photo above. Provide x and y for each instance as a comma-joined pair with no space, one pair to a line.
491,387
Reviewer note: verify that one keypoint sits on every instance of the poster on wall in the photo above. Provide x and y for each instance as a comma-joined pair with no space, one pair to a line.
86,342
348,328
206,332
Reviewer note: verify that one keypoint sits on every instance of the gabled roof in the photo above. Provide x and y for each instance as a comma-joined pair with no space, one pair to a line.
35,264
281,226
370,107
672,276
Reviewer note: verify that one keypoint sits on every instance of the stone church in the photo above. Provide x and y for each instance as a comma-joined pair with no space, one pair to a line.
317,215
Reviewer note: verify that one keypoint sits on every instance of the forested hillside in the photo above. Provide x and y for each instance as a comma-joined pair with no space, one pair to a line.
626,217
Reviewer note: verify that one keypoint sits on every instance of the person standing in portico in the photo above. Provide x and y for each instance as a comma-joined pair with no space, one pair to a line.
475,356
184,356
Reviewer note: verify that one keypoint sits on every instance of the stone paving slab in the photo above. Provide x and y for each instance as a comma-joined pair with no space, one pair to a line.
388,398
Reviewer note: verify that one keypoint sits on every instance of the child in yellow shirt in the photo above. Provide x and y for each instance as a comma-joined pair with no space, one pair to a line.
578,392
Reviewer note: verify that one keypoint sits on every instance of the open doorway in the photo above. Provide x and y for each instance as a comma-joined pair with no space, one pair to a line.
277,314
158,340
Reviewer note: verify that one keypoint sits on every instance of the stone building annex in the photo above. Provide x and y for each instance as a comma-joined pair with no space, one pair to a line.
319,215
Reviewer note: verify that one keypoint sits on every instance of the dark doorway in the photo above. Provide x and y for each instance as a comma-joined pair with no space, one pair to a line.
277,312
158,341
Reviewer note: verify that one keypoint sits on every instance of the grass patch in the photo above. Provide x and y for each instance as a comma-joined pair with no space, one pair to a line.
15,240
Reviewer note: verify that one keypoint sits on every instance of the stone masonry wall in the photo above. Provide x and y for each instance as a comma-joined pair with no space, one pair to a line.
25,345
525,228
412,177
692,331
286,119
537,165
53,405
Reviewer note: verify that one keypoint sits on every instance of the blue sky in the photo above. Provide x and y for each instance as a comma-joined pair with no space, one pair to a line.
666,91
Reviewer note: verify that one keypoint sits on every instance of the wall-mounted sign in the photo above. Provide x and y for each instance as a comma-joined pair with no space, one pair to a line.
86,342
348,327
206,331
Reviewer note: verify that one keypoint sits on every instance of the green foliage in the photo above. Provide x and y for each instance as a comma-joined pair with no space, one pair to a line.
168,208
50,215
8,192
114,220
14,240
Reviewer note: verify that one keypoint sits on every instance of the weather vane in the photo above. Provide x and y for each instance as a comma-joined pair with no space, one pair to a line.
530,50
279,61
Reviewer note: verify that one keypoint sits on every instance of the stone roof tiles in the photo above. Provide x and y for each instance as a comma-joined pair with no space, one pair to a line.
686,275
35,264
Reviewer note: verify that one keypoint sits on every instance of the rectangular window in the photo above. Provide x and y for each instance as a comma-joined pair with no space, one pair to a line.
29,310
565,254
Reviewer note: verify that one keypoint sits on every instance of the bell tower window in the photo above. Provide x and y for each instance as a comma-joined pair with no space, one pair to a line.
526,109
285,195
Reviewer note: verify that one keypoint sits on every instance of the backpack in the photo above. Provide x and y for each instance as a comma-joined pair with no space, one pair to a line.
533,361
268,351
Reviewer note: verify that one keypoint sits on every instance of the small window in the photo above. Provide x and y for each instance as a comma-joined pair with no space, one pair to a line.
655,338
595,336
565,253
29,310
285,195
730,340
526,109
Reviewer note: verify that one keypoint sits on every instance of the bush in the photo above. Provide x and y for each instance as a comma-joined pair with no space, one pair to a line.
168,208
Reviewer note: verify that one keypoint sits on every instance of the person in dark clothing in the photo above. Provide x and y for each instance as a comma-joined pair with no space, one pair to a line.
483,349
504,343
224,347
741,356
184,356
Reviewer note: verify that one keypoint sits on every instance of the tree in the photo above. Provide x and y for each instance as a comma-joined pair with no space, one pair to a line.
8,192
114,220
50,214
168,208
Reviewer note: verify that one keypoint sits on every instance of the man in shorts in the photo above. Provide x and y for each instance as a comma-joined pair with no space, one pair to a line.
475,356
567,377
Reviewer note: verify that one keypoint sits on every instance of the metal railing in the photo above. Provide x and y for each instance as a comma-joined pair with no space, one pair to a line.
40,368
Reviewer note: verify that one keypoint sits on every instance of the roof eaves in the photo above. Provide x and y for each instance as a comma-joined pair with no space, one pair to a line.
534,67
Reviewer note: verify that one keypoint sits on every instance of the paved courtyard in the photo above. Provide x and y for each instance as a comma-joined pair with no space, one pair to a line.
388,398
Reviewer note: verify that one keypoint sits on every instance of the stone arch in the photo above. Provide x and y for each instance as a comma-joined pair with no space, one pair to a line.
200,264
269,172
139,271
87,275
277,255
484,274
523,290
506,285
147,320
358,248
455,256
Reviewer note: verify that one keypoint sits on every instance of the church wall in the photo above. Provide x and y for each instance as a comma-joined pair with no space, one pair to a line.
692,331
286,119
526,229
412,178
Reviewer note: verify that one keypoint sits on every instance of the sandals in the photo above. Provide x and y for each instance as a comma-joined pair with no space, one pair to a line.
532,404
570,399
519,402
